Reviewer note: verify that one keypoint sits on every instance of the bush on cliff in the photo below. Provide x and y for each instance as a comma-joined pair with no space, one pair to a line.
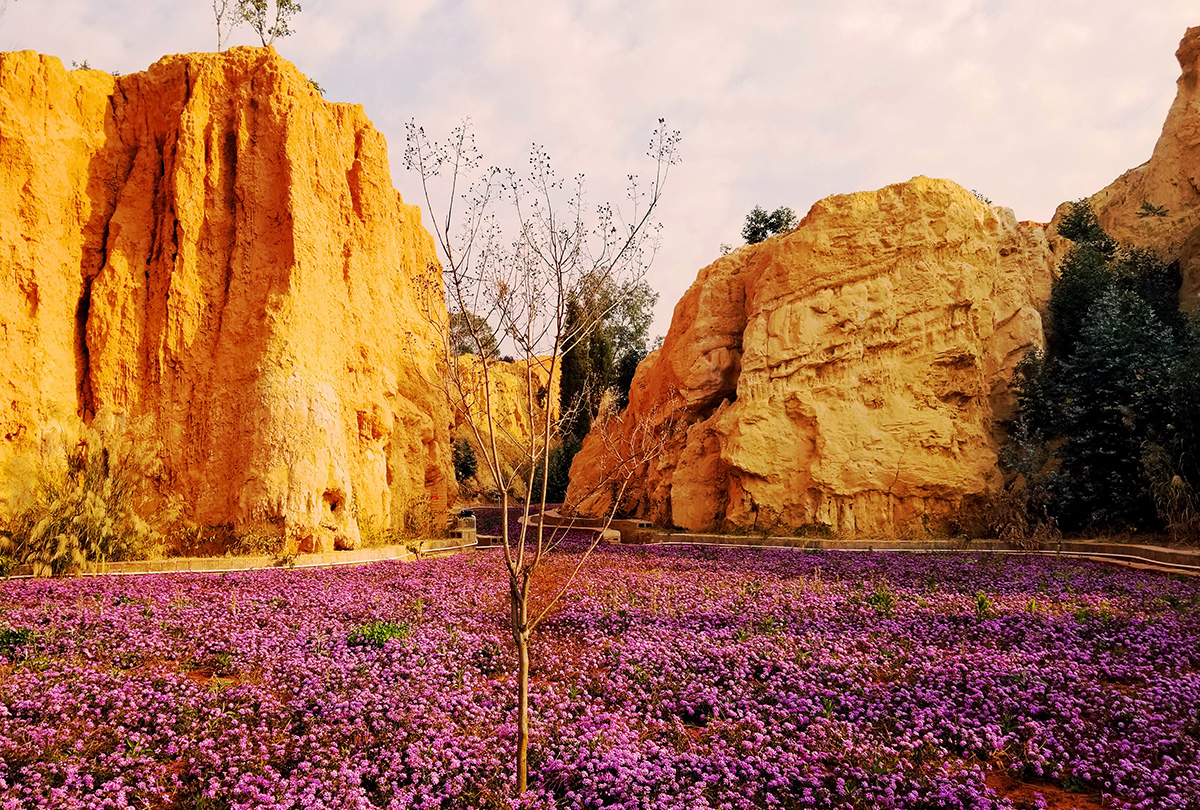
760,224
465,462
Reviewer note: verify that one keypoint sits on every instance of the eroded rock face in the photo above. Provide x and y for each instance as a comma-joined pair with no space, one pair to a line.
210,245
517,418
847,374
1169,180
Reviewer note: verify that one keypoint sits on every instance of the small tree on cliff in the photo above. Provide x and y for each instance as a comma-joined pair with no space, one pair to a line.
521,249
470,333
760,224
268,26
227,14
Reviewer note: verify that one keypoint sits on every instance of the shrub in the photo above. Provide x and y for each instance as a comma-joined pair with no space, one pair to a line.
88,495
882,600
7,564
983,606
759,224
1020,515
11,640
1174,498
465,463
418,519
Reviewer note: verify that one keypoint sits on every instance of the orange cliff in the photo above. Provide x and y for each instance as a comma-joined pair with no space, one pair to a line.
211,246
1168,182
522,395
847,375
851,374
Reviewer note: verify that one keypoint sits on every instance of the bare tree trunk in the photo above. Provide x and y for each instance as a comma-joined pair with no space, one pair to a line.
520,631
525,282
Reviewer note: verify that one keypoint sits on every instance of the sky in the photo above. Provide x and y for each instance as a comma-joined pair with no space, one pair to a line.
779,102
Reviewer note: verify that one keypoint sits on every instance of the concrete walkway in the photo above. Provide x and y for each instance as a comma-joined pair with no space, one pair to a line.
1172,560
437,547
1183,561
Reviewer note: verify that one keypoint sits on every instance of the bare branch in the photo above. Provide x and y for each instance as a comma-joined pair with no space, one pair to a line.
521,285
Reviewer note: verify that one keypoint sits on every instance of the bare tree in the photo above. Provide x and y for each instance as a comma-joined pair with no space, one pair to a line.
228,14
516,249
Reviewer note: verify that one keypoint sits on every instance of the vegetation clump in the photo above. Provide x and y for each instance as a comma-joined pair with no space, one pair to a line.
760,224
87,495
463,457
1109,415
376,634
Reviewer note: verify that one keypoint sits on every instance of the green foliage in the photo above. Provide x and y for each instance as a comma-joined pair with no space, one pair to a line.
12,640
561,456
465,463
1116,396
615,321
269,27
1081,225
882,600
377,634
626,368
1083,279
1148,209
760,224
983,605
560,469
471,334
630,313
87,496
1107,418
573,382
7,564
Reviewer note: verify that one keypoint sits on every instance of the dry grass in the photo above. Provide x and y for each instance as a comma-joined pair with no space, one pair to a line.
87,494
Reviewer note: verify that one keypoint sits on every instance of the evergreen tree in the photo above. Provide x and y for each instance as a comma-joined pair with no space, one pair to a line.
626,368
1113,396
1110,414
573,382
463,457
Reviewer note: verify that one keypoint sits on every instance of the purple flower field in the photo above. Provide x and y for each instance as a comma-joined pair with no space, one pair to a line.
667,679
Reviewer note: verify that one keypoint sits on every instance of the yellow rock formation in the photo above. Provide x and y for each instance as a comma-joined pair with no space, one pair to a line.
211,245
1169,180
847,374
516,419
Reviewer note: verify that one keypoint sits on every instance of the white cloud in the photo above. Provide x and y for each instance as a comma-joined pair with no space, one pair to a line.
780,102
